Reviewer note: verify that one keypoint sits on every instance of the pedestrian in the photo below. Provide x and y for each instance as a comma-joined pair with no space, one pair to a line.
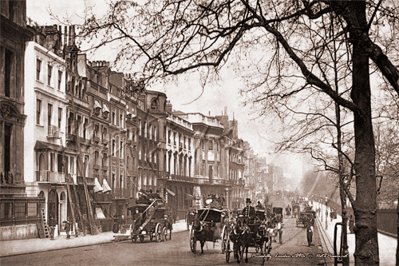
351,224
67,229
52,226
280,232
309,232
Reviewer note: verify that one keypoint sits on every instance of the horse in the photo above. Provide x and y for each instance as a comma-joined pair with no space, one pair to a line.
241,237
265,235
201,231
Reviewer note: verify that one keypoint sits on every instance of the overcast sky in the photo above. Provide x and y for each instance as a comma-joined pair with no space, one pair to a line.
214,98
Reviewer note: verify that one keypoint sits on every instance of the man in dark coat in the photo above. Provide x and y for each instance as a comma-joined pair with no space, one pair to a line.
309,232
67,229
248,212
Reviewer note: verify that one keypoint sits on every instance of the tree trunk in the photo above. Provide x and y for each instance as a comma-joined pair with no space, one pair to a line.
365,207
397,232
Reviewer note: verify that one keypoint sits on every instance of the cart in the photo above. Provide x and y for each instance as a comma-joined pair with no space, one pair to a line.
296,210
217,220
152,221
303,217
279,213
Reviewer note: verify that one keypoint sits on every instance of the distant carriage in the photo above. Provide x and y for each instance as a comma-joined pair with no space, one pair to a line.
152,221
303,217
278,211
295,210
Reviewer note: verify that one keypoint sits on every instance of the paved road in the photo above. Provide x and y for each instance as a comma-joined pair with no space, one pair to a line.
293,251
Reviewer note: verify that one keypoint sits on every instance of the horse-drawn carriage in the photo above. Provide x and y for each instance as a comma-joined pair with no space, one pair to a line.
304,217
151,220
296,208
245,233
208,225
278,211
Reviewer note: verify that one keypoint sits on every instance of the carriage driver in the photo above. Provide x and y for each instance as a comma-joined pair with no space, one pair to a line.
249,211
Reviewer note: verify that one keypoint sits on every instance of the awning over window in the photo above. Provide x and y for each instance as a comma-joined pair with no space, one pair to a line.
41,145
97,186
97,105
106,187
105,109
99,213
170,192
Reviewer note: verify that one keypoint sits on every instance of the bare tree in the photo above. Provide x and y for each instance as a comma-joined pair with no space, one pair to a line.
172,37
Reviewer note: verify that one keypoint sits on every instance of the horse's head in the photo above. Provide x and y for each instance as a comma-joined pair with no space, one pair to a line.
197,225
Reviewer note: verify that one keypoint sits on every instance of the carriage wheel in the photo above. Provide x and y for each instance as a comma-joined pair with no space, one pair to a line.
134,239
141,238
223,244
163,234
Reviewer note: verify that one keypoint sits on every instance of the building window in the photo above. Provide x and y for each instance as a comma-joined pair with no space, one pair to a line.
104,159
59,79
211,145
113,147
95,132
7,73
96,157
113,180
121,149
70,129
155,133
104,134
140,128
121,120
19,210
38,68
59,118
6,210
7,149
113,117
38,111
189,144
150,131
49,74
49,114
85,128
32,209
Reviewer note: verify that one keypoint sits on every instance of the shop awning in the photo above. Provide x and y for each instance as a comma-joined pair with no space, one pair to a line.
170,192
105,109
41,145
99,213
97,105
106,187
97,187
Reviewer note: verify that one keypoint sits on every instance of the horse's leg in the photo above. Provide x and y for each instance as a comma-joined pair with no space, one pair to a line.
202,246
246,254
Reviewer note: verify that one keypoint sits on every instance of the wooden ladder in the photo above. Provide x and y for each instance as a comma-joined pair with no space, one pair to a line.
44,230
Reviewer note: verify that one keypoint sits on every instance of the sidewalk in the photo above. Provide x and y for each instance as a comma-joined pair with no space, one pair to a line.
387,244
26,246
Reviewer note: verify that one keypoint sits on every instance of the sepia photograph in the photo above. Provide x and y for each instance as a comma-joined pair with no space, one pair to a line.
199,132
